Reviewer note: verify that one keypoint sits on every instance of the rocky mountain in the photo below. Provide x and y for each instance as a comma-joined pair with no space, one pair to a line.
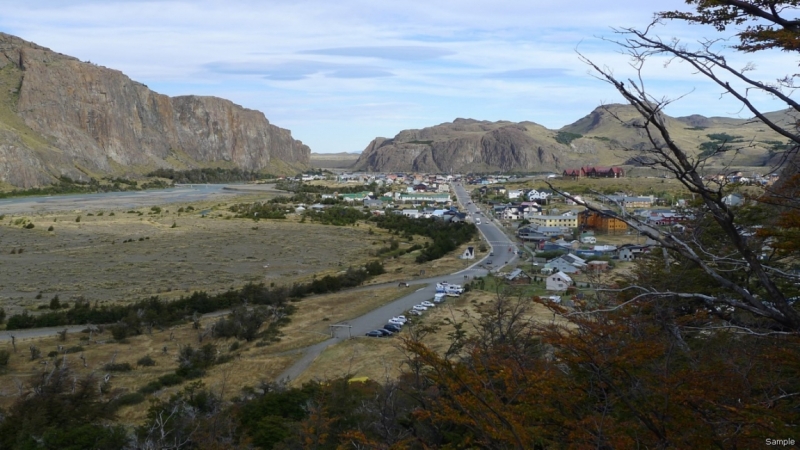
63,117
466,144
609,135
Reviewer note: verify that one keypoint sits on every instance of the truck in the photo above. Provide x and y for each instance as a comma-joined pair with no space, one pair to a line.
439,297
453,290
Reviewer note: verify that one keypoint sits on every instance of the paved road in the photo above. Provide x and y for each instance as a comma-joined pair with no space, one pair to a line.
503,250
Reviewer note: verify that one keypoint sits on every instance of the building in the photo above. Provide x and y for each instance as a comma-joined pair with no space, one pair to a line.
558,281
567,263
424,197
595,172
555,221
603,222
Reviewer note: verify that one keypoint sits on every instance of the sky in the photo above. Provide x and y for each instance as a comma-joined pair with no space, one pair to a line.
340,73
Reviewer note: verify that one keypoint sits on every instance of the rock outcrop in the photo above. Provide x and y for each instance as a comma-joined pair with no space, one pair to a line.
60,116
467,145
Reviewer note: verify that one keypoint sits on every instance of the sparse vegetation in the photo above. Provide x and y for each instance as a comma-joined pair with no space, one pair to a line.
566,138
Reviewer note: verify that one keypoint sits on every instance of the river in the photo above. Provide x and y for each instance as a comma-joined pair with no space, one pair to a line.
128,199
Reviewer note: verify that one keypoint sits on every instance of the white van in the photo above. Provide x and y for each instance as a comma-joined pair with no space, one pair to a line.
477,221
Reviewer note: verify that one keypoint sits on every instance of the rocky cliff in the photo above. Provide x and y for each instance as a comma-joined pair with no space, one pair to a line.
60,116
468,145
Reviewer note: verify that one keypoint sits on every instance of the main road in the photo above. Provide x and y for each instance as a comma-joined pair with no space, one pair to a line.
503,251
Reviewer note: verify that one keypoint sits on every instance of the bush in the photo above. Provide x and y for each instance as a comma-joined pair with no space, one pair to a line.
118,367
78,219
151,387
75,349
29,225
146,361
170,379
50,228
5,356
132,398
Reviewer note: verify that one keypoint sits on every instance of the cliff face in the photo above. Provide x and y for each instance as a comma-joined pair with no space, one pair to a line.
467,145
62,116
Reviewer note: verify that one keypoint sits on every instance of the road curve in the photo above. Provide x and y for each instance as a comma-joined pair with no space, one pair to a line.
503,249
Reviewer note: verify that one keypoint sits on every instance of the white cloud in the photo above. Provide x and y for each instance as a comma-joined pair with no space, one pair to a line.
340,73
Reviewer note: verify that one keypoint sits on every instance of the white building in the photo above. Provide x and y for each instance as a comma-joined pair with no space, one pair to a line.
558,281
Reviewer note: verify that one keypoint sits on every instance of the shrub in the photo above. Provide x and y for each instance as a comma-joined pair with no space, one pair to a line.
149,388
222,359
75,349
118,367
132,398
5,356
170,379
78,219
29,225
146,361
50,228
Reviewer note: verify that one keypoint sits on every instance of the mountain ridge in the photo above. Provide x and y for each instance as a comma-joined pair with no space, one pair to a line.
606,136
63,117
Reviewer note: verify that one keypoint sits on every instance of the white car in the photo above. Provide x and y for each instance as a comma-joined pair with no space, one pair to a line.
414,312
420,308
428,304
403,318
396,322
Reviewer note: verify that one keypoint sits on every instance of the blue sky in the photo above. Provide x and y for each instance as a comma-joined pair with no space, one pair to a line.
340,73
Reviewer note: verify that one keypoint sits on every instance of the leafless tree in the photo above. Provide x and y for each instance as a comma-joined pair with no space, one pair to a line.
748,283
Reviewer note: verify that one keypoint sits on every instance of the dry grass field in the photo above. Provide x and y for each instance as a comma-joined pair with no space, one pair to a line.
207,250
126,255
251,363
383,358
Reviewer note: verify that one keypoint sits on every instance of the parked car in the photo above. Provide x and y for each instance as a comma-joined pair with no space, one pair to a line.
491,253
414,312
385,332
439,298
396,322
374,333
420,308
401,319
393,327
428,304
